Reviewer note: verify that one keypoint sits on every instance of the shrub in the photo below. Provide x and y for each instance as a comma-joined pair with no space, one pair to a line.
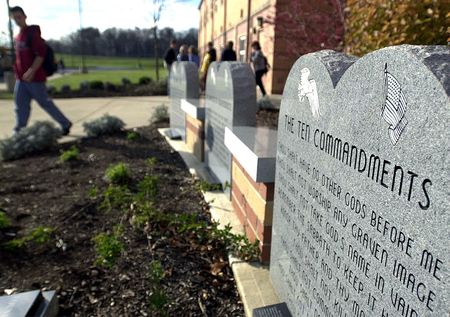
126,81
40,235
104,125
159,88
158,298
375,24
96,85
38,137
70,155
84,85
108,248
205,186
4,220
65,89
148,187
110,87
151,161
145,80
118,174
133,136
265,103
116,197
51,90
160,114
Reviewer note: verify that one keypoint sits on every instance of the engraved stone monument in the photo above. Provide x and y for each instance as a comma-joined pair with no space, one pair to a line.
230,101
183,85
362,186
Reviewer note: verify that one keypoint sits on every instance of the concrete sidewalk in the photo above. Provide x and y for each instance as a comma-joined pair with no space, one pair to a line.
134,111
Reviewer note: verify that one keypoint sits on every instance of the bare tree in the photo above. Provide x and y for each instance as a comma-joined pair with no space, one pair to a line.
158,6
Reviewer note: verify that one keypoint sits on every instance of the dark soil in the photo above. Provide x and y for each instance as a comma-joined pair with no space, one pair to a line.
41,191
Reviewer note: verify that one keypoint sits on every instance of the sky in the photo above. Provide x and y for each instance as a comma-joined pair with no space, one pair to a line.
58,18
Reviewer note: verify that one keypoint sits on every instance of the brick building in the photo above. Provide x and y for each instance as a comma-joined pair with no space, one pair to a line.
286,30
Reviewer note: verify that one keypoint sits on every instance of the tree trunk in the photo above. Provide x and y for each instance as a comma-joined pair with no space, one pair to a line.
155,35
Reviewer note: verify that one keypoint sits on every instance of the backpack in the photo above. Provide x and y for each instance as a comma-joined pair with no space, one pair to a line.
266,65
49,64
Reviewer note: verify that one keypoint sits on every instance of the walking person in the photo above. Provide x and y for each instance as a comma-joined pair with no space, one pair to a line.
30,75
170,56
260,65
209,57
193,55
183,55
228,54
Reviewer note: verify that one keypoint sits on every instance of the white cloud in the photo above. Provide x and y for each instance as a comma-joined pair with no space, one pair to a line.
59,18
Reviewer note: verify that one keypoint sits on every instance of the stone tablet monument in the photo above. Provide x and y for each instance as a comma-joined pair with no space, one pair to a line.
362,194
183,84
230,101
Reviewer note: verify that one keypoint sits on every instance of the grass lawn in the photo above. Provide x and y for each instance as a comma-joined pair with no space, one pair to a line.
114,77
5,95
74,61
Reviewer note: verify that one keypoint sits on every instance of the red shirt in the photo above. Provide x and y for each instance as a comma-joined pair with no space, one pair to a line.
25,55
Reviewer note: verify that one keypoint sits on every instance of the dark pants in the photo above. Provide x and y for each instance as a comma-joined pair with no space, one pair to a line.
258,76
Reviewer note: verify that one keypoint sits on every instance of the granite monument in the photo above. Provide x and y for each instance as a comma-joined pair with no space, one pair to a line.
230,101
362,187
183,84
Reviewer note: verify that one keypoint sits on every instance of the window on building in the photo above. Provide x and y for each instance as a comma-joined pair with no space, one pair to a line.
242,44
242,13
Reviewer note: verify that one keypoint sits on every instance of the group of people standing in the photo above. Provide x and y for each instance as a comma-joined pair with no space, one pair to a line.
190,54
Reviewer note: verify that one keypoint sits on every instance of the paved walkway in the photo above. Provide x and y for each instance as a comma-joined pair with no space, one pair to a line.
134,111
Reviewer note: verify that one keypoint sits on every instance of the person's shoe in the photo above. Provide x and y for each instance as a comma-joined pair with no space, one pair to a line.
66,130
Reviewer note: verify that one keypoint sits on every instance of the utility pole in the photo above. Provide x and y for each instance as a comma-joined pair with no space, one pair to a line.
11,41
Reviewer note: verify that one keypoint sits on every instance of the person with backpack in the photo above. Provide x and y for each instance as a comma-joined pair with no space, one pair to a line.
260,65
34,62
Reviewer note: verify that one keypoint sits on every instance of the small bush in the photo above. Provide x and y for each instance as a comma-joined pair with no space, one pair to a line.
108,248
160,114
159,88
110,87
40,235
70,155
4,220
66,89
84,85
116,197
205,186
96,85
265,103
158,298
133,136
118,174
126,81
51,90
148,187
151,161
38,137
104,125
145,80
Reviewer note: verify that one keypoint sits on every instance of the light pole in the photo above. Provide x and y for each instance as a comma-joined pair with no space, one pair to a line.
10,29
83,68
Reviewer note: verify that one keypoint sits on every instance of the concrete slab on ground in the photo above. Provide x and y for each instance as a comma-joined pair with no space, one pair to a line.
252,278
134,111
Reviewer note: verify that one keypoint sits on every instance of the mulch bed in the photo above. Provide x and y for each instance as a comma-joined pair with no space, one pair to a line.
41,191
